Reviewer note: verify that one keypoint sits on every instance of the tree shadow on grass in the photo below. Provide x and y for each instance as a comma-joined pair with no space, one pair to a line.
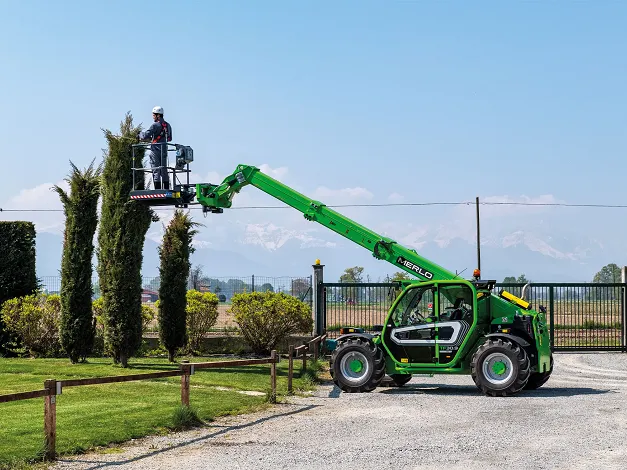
222,430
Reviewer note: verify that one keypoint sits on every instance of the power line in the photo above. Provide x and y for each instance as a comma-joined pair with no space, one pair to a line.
390,204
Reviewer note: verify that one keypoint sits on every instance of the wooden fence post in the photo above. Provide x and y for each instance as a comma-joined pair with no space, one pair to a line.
304,359
290,369
315,353
50,419
185,368
273,375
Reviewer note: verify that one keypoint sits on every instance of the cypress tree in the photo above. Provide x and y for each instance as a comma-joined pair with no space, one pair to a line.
174,269
123,226
77,327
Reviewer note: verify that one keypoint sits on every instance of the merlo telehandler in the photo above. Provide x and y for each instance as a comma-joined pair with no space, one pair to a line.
439,324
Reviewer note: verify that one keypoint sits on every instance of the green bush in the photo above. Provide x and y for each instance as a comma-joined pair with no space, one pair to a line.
266,318
17,267
34,319
202,314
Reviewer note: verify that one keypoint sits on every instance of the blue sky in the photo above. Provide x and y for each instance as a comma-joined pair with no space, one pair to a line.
413,101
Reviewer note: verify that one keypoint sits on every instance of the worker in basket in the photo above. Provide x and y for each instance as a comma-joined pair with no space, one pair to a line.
159,133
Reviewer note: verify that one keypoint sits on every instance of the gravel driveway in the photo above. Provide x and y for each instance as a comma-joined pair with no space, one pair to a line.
577,420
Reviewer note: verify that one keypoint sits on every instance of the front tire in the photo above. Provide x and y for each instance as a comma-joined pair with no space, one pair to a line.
357,366
538,379
500,368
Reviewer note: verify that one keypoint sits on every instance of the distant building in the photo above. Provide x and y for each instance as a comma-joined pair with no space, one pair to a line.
149,296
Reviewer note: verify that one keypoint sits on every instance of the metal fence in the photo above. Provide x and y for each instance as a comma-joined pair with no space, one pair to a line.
224,287
582,316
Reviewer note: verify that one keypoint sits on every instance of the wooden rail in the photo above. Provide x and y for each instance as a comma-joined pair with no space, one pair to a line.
294,352
23,396
53,387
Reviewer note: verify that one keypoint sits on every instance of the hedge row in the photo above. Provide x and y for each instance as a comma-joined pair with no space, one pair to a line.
17,266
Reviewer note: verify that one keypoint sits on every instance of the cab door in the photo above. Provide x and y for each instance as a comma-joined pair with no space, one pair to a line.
410,332
455,317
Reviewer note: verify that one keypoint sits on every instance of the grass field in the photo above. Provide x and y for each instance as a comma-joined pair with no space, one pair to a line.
98,415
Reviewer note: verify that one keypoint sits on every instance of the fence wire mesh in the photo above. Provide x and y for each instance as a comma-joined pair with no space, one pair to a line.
224,287
585,316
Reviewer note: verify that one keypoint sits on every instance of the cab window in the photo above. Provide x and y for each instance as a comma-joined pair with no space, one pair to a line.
455,302
415,307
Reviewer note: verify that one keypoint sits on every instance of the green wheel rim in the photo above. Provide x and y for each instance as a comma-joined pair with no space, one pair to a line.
354,367
498,369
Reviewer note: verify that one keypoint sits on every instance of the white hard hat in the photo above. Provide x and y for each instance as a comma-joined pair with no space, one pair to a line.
157,110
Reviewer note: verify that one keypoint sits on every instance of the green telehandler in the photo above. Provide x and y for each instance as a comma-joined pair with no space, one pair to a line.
439,323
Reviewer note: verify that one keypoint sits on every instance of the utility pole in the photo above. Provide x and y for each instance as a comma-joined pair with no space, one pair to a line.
478,239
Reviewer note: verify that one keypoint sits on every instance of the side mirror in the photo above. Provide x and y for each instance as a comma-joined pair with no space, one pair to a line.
377,328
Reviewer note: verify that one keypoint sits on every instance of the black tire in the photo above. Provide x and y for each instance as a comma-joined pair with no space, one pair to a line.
365,376
395,380
538,379
507,375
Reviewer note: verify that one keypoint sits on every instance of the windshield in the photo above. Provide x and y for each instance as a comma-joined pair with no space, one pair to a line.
415,305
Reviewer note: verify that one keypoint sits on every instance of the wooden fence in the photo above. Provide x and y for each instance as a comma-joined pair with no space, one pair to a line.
314,346
53,387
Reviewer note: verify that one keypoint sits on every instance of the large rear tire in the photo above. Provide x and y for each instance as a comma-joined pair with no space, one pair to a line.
357,365
500,368
538,379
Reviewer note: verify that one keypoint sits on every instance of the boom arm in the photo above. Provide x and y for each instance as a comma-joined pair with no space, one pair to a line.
214,198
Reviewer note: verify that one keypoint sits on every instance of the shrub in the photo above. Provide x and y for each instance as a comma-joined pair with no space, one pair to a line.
34,319
266,318
202,314
17,267
185,417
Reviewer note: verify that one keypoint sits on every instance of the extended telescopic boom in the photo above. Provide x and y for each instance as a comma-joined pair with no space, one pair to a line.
214,198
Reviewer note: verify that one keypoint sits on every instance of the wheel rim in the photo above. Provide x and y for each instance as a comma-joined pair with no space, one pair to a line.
498,368
354,366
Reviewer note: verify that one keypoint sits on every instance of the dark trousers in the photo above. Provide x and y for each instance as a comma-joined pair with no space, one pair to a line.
158,162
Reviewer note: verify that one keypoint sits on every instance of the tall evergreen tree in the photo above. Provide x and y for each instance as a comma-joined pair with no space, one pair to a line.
77,327
174,270
17,268
123,226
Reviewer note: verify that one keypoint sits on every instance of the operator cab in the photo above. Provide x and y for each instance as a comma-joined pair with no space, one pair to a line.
180,192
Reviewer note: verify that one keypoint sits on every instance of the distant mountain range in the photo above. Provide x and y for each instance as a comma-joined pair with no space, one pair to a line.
267,249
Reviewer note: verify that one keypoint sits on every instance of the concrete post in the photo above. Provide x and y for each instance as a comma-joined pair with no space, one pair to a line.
318,301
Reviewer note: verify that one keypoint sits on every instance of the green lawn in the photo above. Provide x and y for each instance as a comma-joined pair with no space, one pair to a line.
98,415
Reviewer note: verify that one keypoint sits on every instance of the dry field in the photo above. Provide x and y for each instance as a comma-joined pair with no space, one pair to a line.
580,323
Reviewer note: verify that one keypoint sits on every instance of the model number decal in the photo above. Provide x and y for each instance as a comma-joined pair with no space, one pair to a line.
414,267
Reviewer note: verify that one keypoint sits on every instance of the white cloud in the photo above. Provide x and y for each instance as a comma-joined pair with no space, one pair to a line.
276,173
342,195
41,197
396,198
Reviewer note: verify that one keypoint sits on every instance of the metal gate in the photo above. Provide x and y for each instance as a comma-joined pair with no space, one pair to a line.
582,316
